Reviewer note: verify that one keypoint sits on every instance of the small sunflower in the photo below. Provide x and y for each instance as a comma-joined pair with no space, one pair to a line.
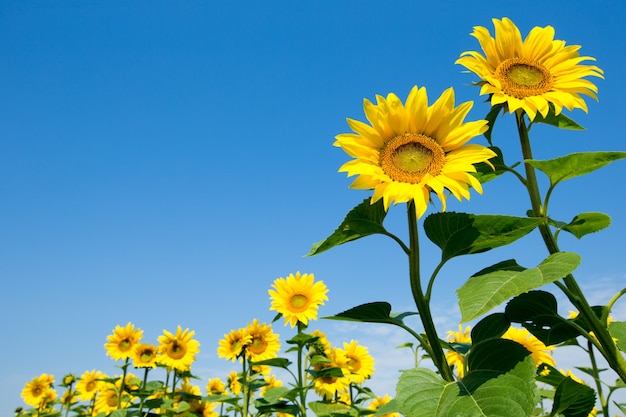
121,343
378,402
89,384
411,150
144,355
538,351
215,386
455,358
321,346
298,297
264,343
533,73
234,386
330,386
359,362
108,400
232,345
178,351
39,391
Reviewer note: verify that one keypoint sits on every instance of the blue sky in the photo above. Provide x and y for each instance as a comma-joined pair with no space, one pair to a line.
163,162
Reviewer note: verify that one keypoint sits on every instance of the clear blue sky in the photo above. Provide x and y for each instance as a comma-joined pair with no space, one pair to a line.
162,162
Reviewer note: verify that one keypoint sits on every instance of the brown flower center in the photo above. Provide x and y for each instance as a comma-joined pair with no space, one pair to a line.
258,345
522,78
409,157
176,350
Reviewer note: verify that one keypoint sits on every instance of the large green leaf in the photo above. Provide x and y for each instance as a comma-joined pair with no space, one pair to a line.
537,312
618,331
363,220
460,233
586,223
571,399
377,312
492,286
489,327
574,165
422,393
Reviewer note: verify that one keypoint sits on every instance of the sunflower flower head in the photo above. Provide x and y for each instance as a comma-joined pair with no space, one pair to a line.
233,344
215,386
39,391
264,343
89,384
332,376
358,362
533,74
144,355
378,402
408,151
178,351
234,385
120,344
538,350
297,298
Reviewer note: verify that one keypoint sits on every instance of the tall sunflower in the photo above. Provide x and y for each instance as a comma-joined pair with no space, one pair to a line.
39,391
410,150
358,362
233,344
538,351
453,357
178,351
298,297
89,384
533,73
264,343
120,344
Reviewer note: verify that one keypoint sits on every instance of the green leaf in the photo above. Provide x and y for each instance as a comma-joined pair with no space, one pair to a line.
321,409
461,234
561,120
490,327
363,220
537,312
422,393
272,395
377,312
491,287
618,331
574,165
275,362
586,223
573,399
485,172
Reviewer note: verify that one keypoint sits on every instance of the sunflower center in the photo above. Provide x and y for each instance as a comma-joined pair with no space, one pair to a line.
298,301
176,350
522,78
125,345
146,355
354,364
257,346
410,157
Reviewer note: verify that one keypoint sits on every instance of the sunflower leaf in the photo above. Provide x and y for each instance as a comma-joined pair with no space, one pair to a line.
618,331
376,312
492,286
363,220
491,118
561,121
422,393
571,399
574,165
586,223
460,233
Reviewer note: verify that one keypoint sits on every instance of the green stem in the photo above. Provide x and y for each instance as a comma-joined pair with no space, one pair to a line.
596,377
300,381
143,390
245,388
576,296
421,302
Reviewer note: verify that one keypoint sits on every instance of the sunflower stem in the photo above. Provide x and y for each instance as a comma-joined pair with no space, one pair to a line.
606,345
421,302
302,392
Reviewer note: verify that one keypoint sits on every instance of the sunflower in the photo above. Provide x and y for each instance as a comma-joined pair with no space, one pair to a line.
271,382
531,74
411,150
108,400
264,343
538,351
39,391
89,384
378,402
215,386
178,351
321,346
453,357
359,362
232,345
328,386
234,386
121,343
144,355
298,297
